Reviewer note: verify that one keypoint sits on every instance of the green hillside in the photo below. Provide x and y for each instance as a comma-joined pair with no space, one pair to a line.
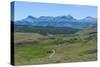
35,48
45,29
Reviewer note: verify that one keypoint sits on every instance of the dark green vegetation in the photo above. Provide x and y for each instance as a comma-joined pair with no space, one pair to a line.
45,29
36,48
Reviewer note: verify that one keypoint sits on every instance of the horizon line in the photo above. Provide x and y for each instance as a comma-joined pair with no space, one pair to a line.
55,16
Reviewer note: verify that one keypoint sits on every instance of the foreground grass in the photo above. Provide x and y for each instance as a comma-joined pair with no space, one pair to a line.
33,48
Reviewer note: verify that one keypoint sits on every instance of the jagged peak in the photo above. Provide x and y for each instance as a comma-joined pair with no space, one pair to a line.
66,17
31,17
69,16
89,17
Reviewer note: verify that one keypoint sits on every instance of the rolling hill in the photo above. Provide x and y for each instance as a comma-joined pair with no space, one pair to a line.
34,48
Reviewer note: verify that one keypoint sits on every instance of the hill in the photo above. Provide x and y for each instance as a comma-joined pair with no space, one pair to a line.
45,29
35,48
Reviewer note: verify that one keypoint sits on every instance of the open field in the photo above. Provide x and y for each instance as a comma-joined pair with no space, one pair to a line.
48,33
35,48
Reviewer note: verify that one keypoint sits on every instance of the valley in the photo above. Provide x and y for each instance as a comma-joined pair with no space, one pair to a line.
36,48
50,33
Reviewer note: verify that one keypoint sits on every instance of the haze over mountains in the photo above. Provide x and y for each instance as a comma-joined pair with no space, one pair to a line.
58,21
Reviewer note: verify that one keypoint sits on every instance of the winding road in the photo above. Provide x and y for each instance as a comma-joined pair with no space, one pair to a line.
53,52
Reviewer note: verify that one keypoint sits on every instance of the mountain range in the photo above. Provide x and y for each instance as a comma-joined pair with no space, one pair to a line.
58,21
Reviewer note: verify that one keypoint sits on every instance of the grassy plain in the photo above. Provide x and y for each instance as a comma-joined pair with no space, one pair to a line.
35,48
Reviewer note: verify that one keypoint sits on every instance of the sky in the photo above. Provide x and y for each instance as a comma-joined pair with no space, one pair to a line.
24,9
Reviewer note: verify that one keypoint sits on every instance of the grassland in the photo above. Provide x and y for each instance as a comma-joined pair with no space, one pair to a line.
35,48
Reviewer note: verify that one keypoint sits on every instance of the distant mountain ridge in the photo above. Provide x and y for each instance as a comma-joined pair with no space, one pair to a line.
58,21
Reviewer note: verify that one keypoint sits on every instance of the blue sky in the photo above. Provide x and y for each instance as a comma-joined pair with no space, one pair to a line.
24,9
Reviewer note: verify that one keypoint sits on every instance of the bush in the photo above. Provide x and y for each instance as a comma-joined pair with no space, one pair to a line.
49,51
